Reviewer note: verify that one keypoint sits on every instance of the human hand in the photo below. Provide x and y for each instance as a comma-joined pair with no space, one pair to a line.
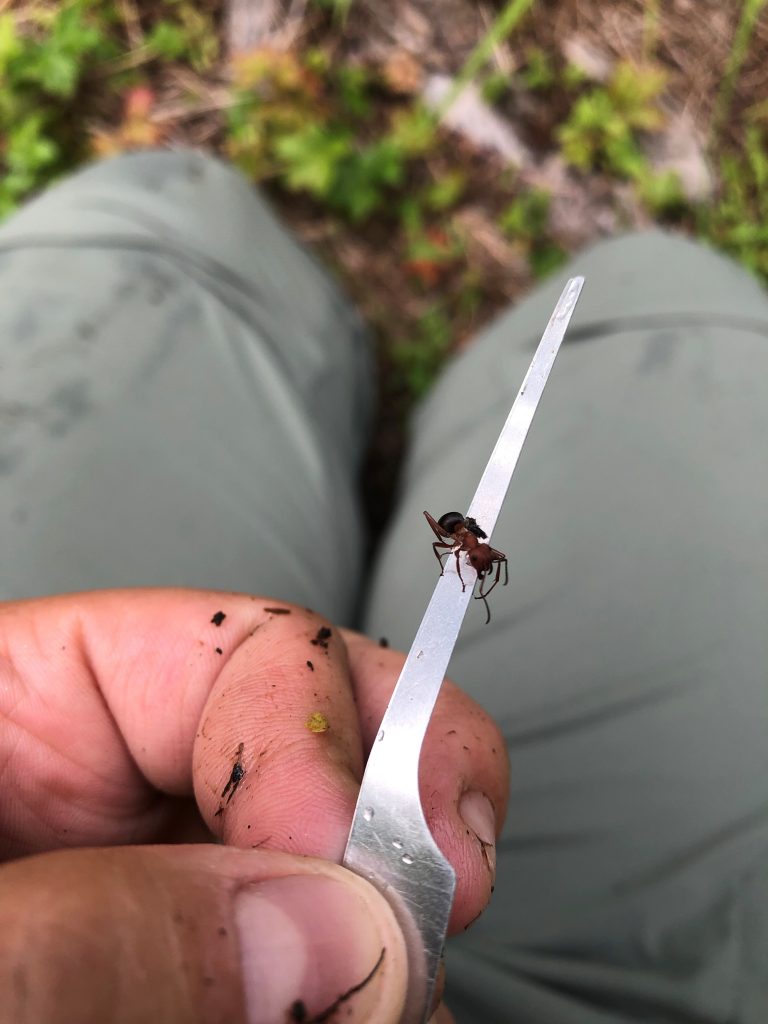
117,710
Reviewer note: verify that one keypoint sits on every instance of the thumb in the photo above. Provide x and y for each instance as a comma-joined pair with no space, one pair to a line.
194,933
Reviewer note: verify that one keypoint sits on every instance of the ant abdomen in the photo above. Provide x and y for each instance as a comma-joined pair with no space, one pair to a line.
450,521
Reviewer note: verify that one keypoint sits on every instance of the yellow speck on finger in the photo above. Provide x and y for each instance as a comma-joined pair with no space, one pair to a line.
317,722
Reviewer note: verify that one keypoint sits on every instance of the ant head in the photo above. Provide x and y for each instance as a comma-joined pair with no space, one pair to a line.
472,526
450,521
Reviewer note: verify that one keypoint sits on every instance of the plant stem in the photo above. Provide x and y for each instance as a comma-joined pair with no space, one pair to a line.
741,39
502,27
651,28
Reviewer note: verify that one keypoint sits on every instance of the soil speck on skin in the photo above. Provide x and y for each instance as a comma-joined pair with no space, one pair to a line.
451,732
321,639
310,666
218,618
317,722
383,642
219,650
278,611
465,748
222,931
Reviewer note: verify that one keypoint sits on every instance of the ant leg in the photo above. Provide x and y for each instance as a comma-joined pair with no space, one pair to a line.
498,574
441,544
499,556
458,569
436,528
506,568
481,596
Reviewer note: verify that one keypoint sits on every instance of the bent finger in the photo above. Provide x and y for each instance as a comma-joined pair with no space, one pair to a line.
278,756
102,698
463,772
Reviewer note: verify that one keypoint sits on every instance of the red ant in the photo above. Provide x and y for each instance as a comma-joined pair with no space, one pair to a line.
464,534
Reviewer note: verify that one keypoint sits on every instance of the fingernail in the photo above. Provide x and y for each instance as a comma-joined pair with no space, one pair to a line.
477,812
307,941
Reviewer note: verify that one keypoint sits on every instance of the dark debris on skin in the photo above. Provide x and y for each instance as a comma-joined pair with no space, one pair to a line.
321,639
298,1014
218,618
235,778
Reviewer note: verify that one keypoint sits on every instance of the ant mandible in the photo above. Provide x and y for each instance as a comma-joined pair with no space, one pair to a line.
463,534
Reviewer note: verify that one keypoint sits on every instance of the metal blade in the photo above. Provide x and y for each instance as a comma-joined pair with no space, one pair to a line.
390,843
494,483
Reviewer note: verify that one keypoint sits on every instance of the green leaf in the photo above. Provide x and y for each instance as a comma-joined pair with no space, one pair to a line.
662,193
546,258
573,77
55,71
311,158
634,91
624,157
339,9
419,359
167,41
10,45
363,177
414,130
353,83
526,218
28,156
495,86
445,191
539,71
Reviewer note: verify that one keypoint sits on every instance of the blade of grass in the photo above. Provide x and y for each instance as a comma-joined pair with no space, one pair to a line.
750,12
651,18
502,27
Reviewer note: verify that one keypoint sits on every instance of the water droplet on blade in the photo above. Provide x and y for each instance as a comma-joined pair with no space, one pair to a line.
368,813
397,844
381,735
407,859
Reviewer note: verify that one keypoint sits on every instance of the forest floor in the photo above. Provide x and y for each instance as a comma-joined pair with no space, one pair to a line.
441,157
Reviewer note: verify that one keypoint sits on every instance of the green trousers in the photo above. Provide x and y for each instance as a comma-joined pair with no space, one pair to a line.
184,400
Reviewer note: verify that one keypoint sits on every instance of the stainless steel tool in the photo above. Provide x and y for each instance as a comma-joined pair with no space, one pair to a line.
390,843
